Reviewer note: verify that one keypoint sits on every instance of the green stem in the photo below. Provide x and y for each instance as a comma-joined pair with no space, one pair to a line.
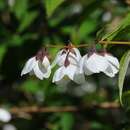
114,42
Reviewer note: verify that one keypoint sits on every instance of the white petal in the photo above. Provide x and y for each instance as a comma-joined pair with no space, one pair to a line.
63,82
58,75
29,66
60,59
45,62
37,71
73,60
87,71
5,116
77,52
113,67
113,60
70,71
96,63
81,63
48,72
109,72
83,68
45,71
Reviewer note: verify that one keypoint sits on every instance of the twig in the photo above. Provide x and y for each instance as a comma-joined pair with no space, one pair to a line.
36,109
62,46
86,45
114,42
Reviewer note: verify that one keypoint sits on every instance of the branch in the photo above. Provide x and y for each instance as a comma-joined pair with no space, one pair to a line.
63,46
86,45
36,109
115,42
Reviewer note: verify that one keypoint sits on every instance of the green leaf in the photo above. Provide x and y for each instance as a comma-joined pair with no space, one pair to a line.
15,40
126,100
51,6
20,8
67,121
123,25
86,28
122,72
27,20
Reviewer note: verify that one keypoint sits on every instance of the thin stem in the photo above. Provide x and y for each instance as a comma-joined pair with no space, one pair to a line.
35,109
86,45
82,45
62,46
115,42
56,46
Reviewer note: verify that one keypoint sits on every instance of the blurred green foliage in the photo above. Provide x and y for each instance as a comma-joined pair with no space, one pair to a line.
27,25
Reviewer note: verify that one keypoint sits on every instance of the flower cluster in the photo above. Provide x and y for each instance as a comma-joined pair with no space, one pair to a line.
72,66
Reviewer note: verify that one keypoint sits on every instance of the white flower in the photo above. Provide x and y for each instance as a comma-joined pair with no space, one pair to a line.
99,62
94,63
74,56
68,61
38,65
113,65
5,116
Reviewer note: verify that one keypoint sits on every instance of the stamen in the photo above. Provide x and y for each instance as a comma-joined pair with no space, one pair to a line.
41,54
67,62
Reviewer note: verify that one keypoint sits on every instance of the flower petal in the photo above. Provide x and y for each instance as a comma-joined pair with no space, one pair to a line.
87,71
45,62
60,59
113,67
58,75
63,82
77,54
81,63
48,72
39,74
70,71
96,63
113,60
109,71
29,66
75,57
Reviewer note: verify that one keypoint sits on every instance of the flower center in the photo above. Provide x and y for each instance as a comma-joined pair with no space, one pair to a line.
41,54
91,51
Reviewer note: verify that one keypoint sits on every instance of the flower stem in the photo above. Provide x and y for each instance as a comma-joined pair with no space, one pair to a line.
86,45
55,46
115,42
62,46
